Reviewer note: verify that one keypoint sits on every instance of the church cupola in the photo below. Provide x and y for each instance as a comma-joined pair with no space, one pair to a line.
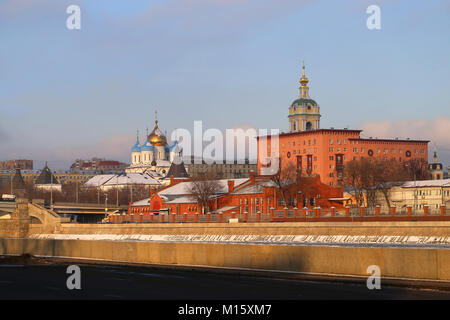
304,112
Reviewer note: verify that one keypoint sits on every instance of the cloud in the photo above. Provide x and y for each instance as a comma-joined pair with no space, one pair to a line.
436,130
116,147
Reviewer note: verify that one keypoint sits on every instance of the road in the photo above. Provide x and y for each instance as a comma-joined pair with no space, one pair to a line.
48,281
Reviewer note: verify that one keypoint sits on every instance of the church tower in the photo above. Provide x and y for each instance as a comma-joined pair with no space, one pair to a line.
304,113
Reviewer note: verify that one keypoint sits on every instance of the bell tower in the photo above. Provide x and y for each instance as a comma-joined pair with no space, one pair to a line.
304,113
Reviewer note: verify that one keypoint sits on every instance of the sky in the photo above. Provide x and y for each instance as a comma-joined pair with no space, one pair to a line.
68,94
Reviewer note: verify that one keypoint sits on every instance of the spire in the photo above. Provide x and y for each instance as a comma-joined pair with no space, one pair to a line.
304,84
156,118
137,135
435,157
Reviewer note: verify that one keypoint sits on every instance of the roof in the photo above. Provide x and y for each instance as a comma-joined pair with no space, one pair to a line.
387,140
46,177
182,199
225,208
131,178
256,188
98,180
18,181
147,146
136,147
304,102
143,202
177,171
427,183
121,179
350,131
182,187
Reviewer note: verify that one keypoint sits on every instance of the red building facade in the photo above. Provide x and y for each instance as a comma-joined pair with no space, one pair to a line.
257,194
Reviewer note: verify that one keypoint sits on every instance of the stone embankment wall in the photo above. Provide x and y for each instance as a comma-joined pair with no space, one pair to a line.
409,263
422,228
19,236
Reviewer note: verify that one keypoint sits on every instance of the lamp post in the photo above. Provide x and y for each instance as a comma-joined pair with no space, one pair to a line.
106,203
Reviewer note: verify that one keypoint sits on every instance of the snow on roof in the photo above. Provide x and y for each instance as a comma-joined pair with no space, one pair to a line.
143,202
131,178
182,199
98,180
114,179
182,187
224,208
258,187
427,183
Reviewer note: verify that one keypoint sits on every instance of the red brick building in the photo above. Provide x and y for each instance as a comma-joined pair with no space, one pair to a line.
324,152
257,194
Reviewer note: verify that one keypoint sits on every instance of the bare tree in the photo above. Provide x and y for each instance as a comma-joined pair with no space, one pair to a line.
417,169
353,178
286,181
203,188
372,176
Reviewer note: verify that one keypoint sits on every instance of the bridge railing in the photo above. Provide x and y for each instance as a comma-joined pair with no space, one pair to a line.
316,214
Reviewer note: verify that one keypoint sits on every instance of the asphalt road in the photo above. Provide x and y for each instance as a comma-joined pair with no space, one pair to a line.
48,281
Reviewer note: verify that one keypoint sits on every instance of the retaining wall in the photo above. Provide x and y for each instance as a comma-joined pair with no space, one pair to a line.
412,263
419,228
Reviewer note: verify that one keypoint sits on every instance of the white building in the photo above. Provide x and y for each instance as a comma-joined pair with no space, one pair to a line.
417,194
154,155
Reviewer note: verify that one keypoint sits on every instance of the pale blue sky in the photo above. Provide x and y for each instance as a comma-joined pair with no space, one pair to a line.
80,93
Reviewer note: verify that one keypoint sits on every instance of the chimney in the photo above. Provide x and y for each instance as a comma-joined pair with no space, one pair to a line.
172,180
252,176
230,186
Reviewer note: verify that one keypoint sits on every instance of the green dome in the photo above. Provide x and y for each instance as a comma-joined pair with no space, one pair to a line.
304,102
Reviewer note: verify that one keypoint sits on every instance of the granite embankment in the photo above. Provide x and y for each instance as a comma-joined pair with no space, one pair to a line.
55,238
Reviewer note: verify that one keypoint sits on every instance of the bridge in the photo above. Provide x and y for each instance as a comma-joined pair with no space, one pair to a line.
86,212
76,212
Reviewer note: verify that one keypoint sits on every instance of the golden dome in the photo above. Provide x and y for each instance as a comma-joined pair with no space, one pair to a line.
157,138
304,80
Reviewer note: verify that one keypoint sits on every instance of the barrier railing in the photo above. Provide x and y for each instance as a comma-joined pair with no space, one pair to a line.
316,214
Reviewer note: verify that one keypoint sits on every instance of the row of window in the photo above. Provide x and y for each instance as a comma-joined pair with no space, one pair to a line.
305,142
438,192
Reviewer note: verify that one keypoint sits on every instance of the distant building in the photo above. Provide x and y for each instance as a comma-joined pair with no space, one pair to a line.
155,154
97,165
16,164
436,169
417,194
47,181
234,170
